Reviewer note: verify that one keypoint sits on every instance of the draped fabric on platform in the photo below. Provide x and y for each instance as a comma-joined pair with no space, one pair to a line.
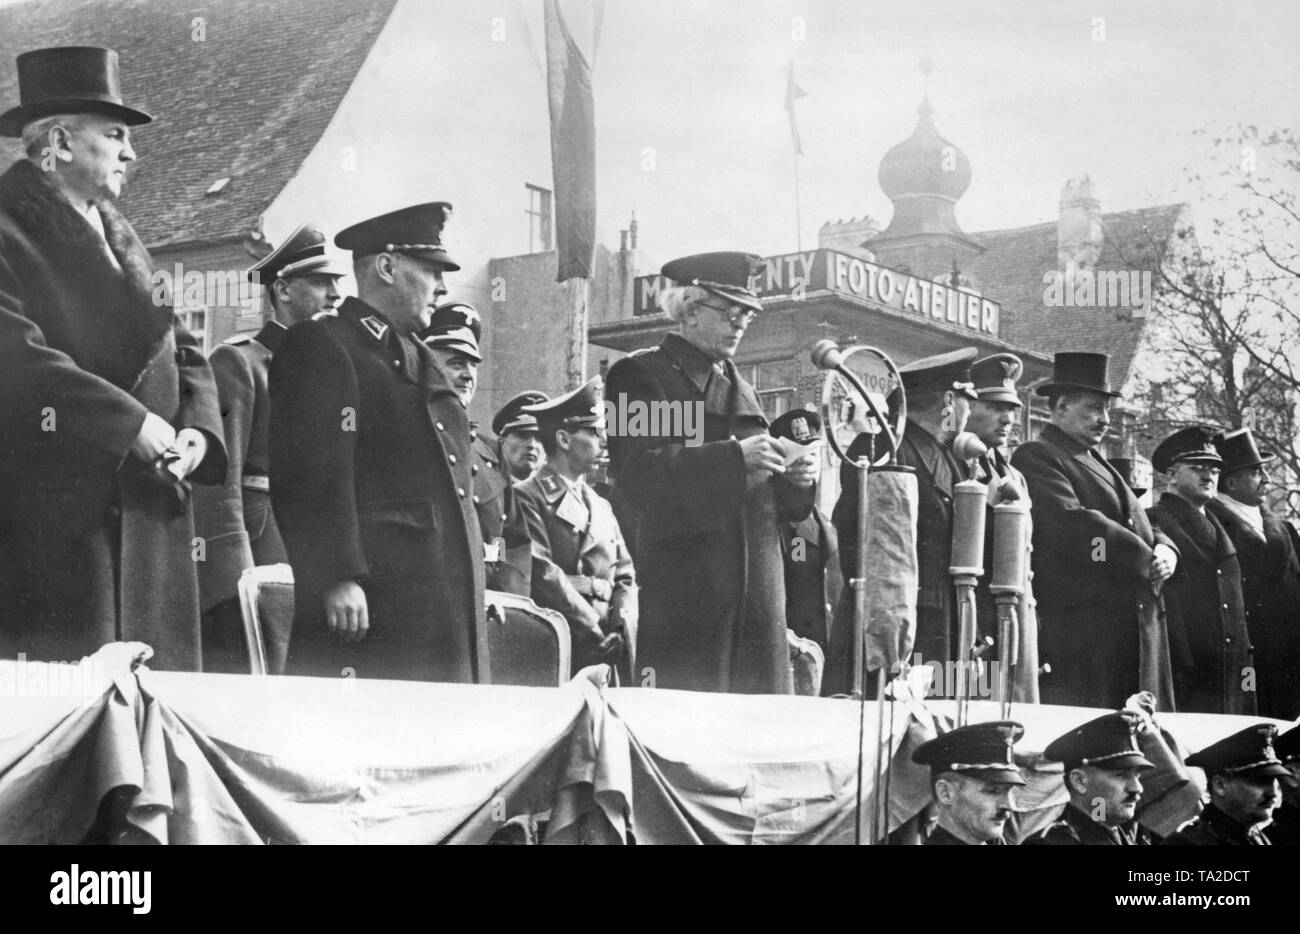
190,758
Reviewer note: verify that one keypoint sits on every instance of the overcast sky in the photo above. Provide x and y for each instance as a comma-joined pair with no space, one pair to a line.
1033,92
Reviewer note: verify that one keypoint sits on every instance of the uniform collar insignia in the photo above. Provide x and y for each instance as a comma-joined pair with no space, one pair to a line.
376,327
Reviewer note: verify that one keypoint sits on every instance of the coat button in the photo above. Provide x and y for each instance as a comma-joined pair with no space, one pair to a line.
438,425
504,517
473,470
475,498
452,458
460,492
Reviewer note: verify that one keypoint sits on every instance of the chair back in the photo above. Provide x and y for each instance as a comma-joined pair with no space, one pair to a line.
527,644
266,602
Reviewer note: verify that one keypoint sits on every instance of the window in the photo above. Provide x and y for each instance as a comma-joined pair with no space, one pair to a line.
774,383
196,322
539,219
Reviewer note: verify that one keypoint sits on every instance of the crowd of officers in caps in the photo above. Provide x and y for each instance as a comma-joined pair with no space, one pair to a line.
337,439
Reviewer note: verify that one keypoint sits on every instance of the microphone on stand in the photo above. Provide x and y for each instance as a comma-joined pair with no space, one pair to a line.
967,446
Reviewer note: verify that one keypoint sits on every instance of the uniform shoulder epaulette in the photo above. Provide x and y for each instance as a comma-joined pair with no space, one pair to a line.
642,351
236,339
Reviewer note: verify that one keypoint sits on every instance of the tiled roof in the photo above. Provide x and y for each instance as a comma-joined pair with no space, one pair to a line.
1011,271
248,102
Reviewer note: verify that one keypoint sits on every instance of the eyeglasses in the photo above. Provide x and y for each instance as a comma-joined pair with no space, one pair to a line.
734,315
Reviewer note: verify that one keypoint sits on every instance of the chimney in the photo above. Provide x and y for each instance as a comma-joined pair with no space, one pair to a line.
1079,235
847,236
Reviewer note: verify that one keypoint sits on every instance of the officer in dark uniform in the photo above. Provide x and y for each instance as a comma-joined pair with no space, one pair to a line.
516,431
1204,603
235,519
1103,768
453,334
583,568
939,392
1286,819
973,773
1243,772
371,474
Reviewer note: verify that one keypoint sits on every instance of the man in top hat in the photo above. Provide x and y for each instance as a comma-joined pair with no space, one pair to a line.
1242,771
1268,551
516,431
1286,819
371,472
452,335
973,773
992,416
810,547
704,507
110,409
939,393
1096,560
235,519
1103,776
1210,647
583,567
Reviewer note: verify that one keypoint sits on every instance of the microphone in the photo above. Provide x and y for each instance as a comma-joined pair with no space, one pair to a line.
826,355
967,446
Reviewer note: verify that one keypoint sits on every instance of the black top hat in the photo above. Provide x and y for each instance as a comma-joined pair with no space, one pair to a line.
1074,370
417,229
1191,445
980,750
801,425
302,253
455,326
578,408
995,378
727,274
1124,466
1239,450
940,373
511,417
1248,754
68,80
1109,742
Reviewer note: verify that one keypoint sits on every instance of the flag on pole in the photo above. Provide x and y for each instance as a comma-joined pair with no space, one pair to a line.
792,93
573,145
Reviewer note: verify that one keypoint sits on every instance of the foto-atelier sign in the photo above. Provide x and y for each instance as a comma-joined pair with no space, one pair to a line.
794,275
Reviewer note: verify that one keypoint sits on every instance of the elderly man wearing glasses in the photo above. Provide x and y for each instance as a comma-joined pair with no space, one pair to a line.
704,507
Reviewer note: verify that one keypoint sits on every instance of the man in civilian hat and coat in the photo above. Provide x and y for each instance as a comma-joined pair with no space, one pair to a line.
110,409
1097,561
1267,550
371,475
1210,647
703,510
235,519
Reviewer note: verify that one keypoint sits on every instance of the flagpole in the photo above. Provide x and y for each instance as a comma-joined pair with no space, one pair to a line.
798,214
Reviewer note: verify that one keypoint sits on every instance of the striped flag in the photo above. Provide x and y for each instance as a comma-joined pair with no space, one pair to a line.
792,93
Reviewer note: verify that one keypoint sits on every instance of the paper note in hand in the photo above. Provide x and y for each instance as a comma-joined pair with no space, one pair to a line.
793,450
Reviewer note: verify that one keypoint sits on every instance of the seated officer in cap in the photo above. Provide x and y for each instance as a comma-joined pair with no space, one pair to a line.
939,393
516,431
582,567
452,336
235,519
1285,829
992,417
1097,562
371,472
973,773
1103,769
704,507
1268,550
1210,648
1243,772
813,581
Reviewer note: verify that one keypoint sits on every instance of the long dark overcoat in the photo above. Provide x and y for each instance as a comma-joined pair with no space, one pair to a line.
371,481
1270,583
1211,650
1101,628
707,550
91,548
